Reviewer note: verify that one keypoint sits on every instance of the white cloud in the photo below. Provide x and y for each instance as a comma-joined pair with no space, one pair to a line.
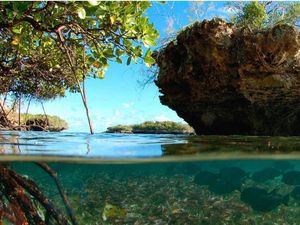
228,10
117,113
127,105
161,117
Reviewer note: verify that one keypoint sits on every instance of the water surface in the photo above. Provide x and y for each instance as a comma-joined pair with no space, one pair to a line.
163,179
143,147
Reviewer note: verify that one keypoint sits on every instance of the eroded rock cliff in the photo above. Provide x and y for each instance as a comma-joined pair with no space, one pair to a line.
223,80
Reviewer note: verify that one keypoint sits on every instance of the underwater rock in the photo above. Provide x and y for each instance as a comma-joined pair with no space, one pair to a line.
229,179
205,178
260,200
226,80
225,186
291,178
296,193
265,174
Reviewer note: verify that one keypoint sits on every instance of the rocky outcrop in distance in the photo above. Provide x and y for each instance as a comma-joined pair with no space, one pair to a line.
152,127
224,80
32,122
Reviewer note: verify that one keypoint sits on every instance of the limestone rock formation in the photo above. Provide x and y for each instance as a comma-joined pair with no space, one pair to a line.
224,80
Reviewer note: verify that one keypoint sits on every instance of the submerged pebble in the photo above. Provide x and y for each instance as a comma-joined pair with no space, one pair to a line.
261,200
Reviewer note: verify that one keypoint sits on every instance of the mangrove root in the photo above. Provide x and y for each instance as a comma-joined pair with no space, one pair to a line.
16,205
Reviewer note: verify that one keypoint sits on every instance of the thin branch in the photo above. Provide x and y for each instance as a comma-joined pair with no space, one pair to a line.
63,195
47,120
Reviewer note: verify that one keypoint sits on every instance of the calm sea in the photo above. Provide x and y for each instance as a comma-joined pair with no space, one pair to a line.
161,179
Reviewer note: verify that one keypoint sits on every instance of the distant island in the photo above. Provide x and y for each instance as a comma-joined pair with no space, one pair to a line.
32,122
149,127
40,122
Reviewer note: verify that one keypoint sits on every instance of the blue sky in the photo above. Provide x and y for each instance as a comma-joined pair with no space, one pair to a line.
120,98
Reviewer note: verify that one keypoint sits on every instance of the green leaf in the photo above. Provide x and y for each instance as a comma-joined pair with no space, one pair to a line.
149,61
148,53
93,2
118,60
148,42
128,60
127,43
21,6
119,52
103,60
101,74
138,51
17,29
109,53
81,13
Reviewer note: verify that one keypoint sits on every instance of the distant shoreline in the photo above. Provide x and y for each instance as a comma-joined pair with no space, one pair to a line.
34,122
150,132
149,127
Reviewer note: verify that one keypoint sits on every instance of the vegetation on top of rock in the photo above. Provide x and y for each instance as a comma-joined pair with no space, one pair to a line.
40,122
164,127
119,129
265,14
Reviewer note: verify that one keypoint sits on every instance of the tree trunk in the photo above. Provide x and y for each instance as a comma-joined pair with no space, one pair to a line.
81,90
27,110
83,97
4,114
19,113
47,120
62,193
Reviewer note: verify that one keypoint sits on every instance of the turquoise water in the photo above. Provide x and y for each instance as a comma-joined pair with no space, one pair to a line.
160,179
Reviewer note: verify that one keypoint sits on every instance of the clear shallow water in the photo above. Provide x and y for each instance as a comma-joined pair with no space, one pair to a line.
162,179
149,148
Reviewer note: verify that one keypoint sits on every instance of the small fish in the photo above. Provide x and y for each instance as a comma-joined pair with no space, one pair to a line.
265,174
291,178
261,200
